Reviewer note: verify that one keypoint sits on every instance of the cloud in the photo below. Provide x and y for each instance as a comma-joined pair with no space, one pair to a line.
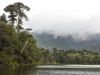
62,24
61,16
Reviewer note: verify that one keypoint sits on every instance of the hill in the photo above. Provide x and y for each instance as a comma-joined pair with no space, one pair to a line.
50,41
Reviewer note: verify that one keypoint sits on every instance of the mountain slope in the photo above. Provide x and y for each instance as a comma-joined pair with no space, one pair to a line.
49,41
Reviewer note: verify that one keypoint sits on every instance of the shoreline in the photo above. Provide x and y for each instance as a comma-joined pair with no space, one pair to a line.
71,67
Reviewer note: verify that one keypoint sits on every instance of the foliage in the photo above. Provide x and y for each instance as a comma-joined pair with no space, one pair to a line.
11,42
68,57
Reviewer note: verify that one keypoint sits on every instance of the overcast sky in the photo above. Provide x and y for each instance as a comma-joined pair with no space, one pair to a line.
61,16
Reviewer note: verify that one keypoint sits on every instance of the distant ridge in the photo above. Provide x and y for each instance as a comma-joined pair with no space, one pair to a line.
49,41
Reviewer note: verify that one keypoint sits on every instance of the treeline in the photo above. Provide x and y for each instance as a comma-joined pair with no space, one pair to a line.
68,57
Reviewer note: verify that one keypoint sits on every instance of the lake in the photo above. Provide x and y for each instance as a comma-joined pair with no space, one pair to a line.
66,72
28,70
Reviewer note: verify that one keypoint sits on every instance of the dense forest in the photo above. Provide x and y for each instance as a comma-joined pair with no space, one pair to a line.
18,46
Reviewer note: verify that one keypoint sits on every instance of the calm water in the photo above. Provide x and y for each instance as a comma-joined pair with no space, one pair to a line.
31,71
66,72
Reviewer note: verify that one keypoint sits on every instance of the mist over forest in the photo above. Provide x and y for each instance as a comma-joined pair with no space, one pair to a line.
68,41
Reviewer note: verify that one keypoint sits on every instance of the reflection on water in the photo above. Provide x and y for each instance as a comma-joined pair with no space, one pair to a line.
26,70
65,72
31,71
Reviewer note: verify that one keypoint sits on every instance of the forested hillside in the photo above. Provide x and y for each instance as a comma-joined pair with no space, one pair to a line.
17,46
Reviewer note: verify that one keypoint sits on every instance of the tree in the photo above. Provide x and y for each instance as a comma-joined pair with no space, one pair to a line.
3,18
12,13
6,32
28,29
20,13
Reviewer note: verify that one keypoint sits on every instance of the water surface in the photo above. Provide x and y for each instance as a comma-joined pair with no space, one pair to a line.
66,72
31,71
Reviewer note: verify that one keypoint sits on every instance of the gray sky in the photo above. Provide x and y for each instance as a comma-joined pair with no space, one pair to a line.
61,16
